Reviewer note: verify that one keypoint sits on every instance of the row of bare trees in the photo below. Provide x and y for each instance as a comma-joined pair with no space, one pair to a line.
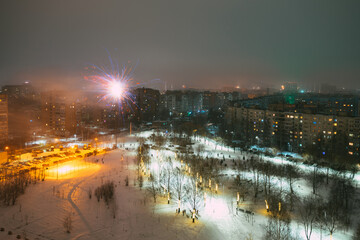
13,187
331,215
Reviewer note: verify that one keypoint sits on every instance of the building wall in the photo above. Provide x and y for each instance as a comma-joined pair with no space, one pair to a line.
295,131
58,114
4,130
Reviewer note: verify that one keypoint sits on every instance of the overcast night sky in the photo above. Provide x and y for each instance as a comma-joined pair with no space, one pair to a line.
202,44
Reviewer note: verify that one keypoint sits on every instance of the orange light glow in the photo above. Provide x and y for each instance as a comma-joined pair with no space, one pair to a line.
71,169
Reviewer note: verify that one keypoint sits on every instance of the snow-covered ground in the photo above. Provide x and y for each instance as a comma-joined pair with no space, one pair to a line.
40,212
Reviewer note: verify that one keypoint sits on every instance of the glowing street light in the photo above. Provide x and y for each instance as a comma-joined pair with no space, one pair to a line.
267,206
210,183
168,197
179,203
237,198
216,188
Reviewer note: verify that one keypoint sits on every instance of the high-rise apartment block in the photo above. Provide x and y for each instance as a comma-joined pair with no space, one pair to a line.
3,120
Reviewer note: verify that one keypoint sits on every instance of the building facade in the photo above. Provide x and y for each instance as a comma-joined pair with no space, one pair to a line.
4,129
292,131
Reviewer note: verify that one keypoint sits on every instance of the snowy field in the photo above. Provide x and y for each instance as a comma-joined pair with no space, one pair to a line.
40,212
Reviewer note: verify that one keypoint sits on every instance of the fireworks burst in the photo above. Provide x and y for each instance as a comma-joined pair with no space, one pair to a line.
113,84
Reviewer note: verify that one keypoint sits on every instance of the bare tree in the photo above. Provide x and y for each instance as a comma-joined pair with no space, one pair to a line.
277,229
194,194
278,226
292,174
308,215
256,176
168,174
105,191
178,186
242,186
268,170
153,189
328,216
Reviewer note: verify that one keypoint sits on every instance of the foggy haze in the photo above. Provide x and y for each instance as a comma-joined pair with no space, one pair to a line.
200,44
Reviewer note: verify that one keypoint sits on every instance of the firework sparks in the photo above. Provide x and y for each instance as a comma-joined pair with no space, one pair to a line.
113,84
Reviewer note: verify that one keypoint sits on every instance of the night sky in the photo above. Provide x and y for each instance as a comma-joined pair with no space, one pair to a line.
202,44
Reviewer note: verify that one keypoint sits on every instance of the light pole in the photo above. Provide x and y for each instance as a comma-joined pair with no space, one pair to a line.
237,199
7,153
267,206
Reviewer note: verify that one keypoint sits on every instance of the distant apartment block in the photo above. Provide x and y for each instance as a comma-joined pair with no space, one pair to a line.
3,120
294,128
58,113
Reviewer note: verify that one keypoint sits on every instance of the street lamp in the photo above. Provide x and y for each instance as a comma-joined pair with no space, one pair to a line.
7,153
179,203
267,206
